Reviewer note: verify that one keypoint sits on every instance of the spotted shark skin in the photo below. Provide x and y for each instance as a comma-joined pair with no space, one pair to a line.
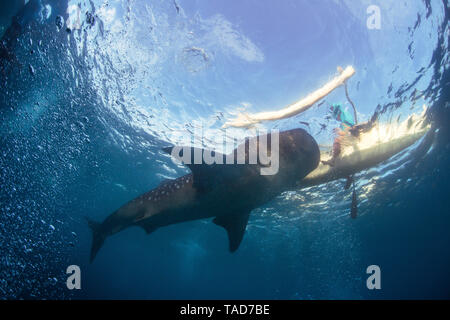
227,193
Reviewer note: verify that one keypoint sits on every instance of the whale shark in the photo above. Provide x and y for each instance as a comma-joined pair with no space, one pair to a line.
225,192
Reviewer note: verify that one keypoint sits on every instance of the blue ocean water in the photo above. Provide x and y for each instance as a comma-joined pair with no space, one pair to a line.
92,90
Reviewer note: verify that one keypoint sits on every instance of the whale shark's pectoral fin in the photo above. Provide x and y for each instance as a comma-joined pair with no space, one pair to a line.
235,224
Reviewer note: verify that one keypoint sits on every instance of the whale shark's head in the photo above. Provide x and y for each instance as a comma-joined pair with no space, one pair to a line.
287,155
298,152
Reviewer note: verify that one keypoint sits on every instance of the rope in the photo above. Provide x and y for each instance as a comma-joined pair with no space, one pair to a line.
354,205
351,102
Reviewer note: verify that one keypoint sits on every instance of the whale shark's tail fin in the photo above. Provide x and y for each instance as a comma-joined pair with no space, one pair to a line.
98,237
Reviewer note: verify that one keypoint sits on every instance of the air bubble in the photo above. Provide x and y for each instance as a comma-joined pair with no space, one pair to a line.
59,22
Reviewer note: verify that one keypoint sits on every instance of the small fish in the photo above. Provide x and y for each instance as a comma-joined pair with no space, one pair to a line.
305,123
177,7
321,103
322,128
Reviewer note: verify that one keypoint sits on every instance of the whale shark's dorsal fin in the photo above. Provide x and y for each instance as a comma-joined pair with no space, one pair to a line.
235,224
168,150
208,175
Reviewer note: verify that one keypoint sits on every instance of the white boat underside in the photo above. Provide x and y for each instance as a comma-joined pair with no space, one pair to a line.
373,147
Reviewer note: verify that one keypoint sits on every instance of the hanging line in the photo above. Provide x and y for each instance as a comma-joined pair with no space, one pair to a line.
354,205
351,102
